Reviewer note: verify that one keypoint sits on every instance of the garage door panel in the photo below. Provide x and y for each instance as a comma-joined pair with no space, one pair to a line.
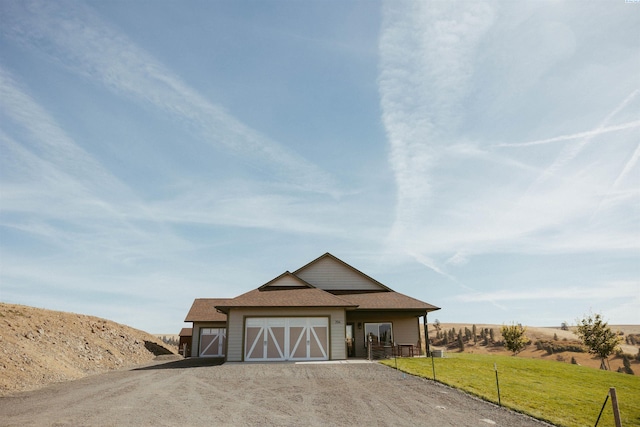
253,342
212,342
293,338
275,342
297,341
317,346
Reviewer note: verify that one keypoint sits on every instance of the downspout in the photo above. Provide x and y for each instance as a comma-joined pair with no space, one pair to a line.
426,336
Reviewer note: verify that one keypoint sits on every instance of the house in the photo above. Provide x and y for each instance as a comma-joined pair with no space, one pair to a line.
184,346
325,310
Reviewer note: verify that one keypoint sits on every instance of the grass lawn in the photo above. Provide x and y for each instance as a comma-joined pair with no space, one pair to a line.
560,393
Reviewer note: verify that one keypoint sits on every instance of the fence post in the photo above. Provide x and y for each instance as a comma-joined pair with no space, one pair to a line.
614,404
495,367
433,366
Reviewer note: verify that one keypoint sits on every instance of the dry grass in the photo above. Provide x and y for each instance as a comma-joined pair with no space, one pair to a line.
547,334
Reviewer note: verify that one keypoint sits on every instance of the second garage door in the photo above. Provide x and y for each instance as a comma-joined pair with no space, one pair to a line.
286,338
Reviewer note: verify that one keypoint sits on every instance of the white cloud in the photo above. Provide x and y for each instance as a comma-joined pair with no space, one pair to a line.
604,291
461,192
89,46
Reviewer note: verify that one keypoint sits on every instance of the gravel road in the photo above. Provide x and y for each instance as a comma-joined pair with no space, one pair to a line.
195,392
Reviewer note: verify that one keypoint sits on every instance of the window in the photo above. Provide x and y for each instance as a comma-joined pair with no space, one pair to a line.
381,333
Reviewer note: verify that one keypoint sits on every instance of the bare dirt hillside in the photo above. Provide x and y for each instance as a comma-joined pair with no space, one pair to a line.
38,347
557,336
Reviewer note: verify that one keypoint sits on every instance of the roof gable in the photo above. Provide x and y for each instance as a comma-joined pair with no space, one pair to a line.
332,274
285,281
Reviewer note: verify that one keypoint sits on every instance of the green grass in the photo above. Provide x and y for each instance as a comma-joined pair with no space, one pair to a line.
560,393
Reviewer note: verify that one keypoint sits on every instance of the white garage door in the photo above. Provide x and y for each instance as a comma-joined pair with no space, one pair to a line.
286,338
212,342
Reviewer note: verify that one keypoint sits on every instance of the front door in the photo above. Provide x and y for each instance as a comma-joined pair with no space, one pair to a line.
350,339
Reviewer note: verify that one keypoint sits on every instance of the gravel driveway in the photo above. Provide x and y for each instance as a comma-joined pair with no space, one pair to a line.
195,392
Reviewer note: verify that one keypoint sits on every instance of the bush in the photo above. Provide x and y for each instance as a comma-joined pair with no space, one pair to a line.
514,338
559,347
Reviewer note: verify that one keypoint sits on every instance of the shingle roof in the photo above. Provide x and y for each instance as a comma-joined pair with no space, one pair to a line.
203,310
307,297
387,301
186,332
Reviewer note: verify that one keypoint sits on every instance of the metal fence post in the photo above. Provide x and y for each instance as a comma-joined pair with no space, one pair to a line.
495,367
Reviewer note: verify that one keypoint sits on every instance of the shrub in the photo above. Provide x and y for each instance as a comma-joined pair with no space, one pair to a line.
558,347
514,338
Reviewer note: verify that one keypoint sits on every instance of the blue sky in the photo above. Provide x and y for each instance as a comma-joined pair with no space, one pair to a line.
480,156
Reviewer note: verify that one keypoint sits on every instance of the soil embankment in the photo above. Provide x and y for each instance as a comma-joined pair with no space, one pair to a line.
39,347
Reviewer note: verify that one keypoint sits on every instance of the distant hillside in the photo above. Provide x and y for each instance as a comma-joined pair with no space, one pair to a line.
38,347
557,343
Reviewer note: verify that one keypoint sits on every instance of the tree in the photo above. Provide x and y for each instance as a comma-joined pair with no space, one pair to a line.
598,337
437,325
491,335
564,326
460,341
467,333
514,337
475,335
627,365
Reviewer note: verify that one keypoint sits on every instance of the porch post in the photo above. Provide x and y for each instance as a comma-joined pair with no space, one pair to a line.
426,336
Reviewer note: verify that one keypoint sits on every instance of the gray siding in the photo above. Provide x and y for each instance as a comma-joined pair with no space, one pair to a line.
329,274
235,332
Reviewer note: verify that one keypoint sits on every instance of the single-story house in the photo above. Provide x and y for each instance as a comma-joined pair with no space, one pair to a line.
325,310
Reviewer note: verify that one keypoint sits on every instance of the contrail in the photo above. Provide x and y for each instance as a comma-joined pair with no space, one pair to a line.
627,168
591,133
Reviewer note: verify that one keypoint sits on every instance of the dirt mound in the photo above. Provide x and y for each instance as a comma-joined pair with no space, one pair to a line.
38,347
